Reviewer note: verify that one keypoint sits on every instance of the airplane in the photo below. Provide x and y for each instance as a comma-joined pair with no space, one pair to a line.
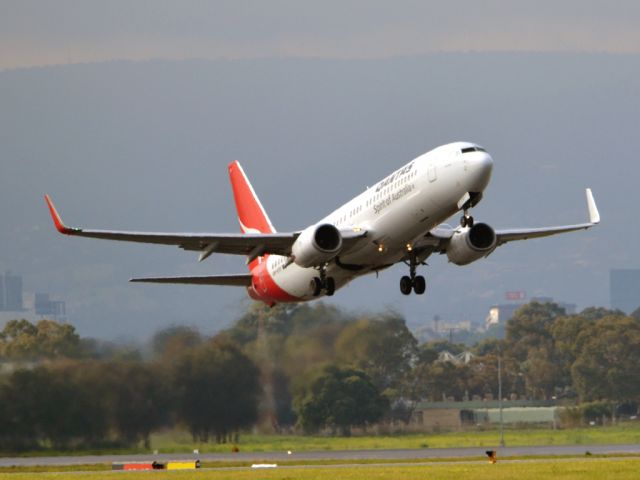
399,219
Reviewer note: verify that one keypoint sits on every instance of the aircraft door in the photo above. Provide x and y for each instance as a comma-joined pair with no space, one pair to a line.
431,173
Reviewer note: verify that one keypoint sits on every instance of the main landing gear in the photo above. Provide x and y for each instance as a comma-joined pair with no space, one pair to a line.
414,282
328,284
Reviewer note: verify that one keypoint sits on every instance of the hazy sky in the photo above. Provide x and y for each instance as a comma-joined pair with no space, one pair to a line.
144,145
72,31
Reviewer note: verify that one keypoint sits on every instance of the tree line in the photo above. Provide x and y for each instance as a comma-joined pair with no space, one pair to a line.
86,395
303,368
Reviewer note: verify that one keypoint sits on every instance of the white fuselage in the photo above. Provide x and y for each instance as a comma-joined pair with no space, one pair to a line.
396,212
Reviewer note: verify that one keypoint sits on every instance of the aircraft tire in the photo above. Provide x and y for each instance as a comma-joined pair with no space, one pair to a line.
466,221
316,285
330,287
405,285
419,285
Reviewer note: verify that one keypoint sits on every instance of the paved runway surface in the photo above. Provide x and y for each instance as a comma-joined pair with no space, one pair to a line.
346,455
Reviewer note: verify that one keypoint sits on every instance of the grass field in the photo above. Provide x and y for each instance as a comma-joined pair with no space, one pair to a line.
591,469
181,442
175,442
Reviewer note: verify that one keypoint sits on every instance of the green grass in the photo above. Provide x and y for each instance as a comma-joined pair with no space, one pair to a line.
175,442
181,442
323,462
562,470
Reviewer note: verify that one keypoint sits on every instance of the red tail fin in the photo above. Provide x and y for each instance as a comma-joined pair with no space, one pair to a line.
251,214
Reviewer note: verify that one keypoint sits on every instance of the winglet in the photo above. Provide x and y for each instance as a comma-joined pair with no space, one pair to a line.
57,221
594,215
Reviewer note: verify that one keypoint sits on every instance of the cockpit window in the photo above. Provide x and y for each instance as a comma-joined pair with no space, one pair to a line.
473,149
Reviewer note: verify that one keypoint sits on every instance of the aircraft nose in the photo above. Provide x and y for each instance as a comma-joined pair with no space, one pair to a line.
479,167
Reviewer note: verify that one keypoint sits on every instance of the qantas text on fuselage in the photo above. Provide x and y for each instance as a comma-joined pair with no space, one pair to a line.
399,219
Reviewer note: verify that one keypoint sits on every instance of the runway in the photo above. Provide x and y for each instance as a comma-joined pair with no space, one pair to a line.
346,455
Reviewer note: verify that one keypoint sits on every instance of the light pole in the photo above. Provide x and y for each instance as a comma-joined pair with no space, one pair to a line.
500,396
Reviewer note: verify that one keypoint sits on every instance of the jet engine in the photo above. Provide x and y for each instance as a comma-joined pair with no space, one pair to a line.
471,244
316,245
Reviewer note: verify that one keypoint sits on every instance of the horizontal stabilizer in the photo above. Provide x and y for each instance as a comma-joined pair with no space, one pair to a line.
237,280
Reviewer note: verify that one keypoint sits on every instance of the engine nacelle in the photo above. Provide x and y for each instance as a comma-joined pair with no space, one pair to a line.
316,245
471,244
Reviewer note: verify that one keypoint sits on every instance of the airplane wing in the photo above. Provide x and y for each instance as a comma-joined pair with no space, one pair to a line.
512,234
438,238
206,243
252,245
236,280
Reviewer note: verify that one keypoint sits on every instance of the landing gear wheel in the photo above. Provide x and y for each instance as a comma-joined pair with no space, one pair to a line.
316,285
466,221
414,282
419,285
330,287
405,285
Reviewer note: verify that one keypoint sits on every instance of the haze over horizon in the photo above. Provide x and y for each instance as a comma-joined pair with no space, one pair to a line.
143,144
35,33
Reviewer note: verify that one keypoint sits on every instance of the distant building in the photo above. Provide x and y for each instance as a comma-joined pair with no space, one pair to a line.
11,293
461,326
441,328
500,314
15,304
45,307
452,415
624,289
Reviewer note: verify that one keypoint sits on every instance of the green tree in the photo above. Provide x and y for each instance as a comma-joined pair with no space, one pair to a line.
57,339
217,389
48,405
18,340
529,335
22,340
340,398
444,380
489,346
483,373
139,400
596,313
173,341
531,327
383,347
606,367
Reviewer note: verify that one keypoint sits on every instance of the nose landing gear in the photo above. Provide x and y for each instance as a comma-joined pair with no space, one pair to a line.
466,220
414,282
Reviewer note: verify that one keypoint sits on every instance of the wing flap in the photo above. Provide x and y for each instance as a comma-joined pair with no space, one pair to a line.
234,280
